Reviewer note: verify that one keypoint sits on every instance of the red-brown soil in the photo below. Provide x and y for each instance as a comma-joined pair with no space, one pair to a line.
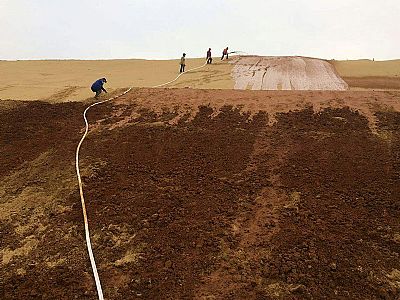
203,201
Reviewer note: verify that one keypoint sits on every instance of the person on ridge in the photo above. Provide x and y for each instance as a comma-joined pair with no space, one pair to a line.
225,52
97,87
209,58
183,63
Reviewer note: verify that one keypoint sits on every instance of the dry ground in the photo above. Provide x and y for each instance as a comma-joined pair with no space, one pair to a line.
204,194
56,81
62,81
370,75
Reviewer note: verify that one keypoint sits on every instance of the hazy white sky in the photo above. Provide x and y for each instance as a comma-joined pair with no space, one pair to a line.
88,29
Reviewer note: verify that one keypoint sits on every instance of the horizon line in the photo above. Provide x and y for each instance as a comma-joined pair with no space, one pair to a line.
168,59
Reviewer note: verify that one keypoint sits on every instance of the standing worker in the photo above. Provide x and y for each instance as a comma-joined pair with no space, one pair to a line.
183,64
97,87
225,52
209,58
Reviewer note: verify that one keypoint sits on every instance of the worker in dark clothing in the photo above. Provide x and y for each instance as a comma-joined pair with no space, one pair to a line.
225,52
183,63
97,87
209,58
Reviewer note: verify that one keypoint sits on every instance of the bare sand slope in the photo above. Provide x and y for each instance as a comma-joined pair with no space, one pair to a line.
364,74
366,67
215,76
285,73
70,80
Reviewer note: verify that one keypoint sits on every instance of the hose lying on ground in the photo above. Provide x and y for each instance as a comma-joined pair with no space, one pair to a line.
87,234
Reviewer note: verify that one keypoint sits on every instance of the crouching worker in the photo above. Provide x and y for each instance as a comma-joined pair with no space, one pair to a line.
97,87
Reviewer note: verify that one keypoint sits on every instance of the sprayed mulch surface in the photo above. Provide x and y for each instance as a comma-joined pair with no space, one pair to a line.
220,205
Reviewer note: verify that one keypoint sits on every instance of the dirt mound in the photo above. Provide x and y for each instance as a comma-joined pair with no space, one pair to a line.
285,73
197,195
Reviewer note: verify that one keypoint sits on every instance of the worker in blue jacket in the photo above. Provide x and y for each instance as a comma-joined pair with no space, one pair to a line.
97,87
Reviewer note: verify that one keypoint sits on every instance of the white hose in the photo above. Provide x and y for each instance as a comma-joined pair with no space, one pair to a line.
88,243
160,85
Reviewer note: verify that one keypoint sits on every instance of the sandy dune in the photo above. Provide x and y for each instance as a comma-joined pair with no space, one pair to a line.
70,80
366,74
215,76
285,73
366,67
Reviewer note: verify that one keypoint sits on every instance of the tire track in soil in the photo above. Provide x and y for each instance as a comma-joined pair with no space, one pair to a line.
255,224
315,230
